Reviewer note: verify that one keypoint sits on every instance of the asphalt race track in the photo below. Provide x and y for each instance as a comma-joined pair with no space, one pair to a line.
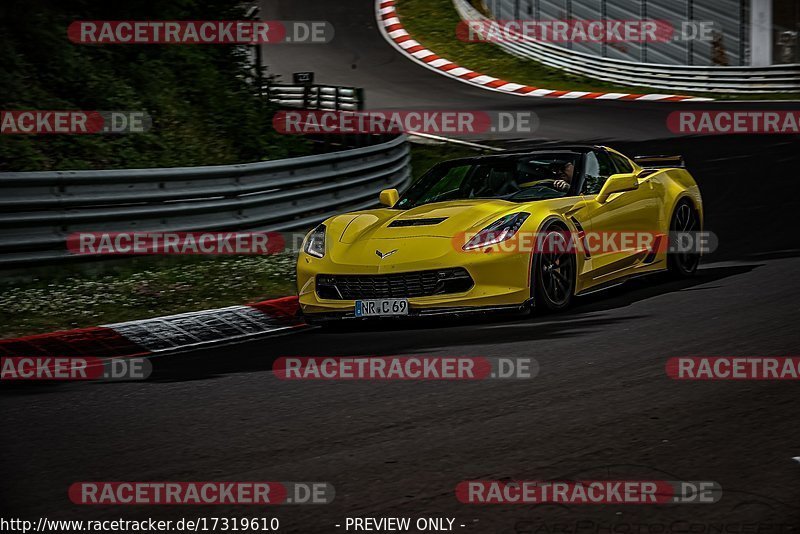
602,406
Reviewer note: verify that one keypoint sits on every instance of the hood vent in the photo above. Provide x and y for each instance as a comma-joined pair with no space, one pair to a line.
401,223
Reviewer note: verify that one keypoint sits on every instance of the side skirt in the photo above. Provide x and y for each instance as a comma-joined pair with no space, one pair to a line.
618,282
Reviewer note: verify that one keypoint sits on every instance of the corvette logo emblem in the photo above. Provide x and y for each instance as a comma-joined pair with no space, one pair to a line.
382,255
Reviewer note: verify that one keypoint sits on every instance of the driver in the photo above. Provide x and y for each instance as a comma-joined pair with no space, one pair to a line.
564,179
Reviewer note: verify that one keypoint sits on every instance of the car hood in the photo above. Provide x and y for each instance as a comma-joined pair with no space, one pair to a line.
440,219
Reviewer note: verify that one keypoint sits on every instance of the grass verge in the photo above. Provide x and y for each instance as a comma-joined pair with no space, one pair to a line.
433,24
47,299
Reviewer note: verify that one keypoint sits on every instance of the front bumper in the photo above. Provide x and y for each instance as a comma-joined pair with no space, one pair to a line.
501,282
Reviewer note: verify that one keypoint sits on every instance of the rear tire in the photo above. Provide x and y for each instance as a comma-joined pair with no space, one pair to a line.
554,270
685,219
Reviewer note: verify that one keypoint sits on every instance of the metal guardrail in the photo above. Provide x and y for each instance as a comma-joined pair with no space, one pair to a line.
752,80
316,96
38,210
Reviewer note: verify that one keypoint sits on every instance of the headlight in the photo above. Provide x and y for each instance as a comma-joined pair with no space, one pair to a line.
497,232
315,242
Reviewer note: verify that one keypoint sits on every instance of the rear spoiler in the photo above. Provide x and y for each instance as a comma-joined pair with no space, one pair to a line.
659,161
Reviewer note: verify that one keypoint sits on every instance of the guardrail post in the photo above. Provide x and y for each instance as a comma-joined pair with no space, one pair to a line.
359,94
760,33
690,44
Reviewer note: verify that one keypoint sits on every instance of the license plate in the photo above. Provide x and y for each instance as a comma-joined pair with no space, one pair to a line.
381,307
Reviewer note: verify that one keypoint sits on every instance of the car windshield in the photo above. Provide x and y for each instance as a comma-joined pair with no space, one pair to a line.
518,179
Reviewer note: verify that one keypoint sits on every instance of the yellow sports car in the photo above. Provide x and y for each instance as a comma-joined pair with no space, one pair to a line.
504,232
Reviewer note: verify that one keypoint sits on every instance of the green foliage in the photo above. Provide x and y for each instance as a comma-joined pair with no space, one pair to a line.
46,299
204,109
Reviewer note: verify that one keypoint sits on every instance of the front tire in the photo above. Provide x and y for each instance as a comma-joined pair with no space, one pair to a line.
554,269
685,219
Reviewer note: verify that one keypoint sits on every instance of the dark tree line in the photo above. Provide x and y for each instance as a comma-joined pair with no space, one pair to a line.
203,106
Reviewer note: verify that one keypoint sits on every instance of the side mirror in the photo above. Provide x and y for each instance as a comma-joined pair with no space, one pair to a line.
617,183
389,197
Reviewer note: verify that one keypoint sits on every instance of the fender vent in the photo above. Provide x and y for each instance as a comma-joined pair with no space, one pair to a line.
581,236
400,223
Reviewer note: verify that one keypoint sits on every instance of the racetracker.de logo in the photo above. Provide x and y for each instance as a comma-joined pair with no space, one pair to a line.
733,368
73,368
566,31
585,243
73,122
584,31
404,368
170,243
437,122
734,122
201,493
587,492
247,32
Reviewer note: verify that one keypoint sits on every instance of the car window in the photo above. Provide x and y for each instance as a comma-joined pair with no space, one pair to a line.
522,178
622,164
444,183
598,168
452,180
492,180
